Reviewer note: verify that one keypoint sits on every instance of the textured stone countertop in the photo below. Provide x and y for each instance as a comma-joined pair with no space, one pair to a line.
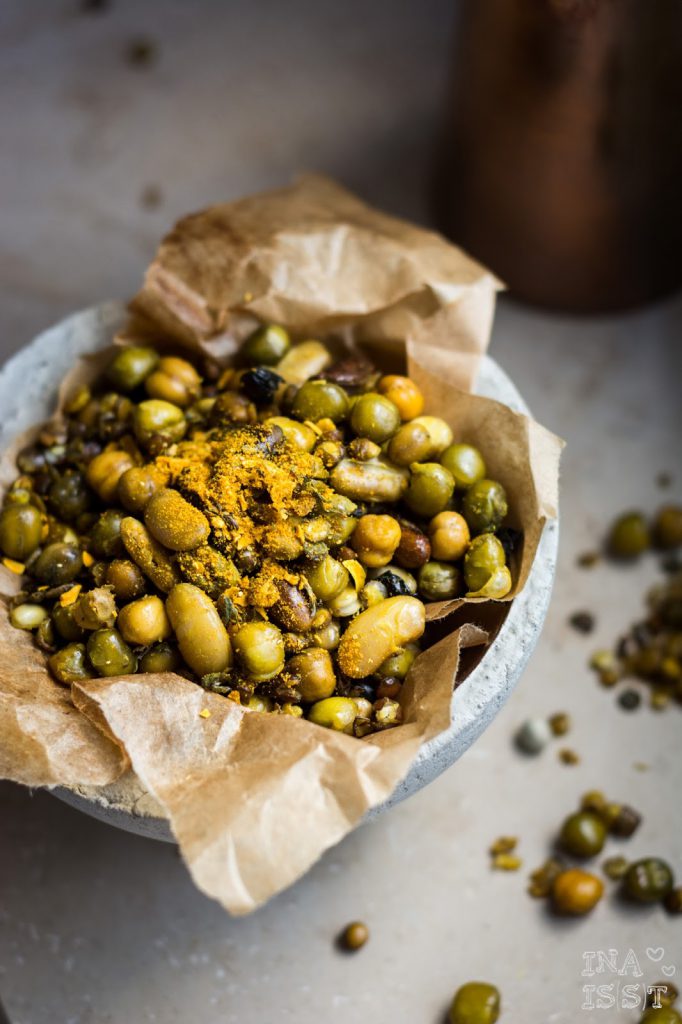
100,927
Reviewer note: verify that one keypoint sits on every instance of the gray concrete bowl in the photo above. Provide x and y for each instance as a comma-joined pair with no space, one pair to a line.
28,385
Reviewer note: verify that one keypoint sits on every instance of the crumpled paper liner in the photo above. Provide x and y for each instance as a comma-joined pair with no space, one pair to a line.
255,799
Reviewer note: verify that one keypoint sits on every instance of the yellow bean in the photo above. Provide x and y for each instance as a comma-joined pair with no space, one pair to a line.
154,561
378,632
202,638
303,362
369,481
174,522
105,471
144,621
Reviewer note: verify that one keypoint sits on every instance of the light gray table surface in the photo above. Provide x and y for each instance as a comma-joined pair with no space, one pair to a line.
101,927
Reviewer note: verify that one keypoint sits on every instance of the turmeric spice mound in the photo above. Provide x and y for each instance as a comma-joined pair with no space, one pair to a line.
256,489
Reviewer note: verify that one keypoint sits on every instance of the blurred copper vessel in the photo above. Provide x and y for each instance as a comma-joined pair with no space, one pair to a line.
561,160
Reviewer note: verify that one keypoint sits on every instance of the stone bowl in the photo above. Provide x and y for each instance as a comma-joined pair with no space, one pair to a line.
28,385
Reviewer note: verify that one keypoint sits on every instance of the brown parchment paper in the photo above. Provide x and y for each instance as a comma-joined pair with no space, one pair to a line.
255,799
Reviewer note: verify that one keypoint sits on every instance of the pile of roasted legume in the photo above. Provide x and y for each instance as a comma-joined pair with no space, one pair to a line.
270,531
582,836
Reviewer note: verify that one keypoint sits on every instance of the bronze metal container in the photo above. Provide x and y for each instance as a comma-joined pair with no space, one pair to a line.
560,164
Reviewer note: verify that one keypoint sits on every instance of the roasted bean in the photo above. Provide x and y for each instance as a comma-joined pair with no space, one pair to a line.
260,649
174,522
105,471
57,564
313,674
374,480
20,531
28,616
303,361
144,621
378,632
70,664
109,654
162,657
336,713
149,555
293,610
125,579
138,485
202,638
375,539
174,380
130,366
95,609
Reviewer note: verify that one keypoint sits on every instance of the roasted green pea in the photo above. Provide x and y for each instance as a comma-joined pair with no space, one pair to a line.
65,623
109,654
375,416
202,638
162,657
70,664
336,713
439,581
484,506
144,621
20,531
477,1002
105,471
629,536
158,417
411,443
312,673
583,834
130,366
328,578
320,399
105,535
125,579
430,488
68,495
648,880
138,485
174,522
465,463
260,649
266,346
58,564
484,556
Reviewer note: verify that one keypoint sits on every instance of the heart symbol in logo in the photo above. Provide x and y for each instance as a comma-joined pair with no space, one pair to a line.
655,954
668,971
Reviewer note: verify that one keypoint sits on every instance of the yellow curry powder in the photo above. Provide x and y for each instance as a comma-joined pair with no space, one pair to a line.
254,488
